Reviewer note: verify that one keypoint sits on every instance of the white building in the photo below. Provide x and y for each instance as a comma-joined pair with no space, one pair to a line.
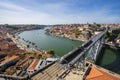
36,65
97,32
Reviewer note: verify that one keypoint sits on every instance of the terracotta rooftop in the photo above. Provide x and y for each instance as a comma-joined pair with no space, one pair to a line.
97,74
10,58
33,64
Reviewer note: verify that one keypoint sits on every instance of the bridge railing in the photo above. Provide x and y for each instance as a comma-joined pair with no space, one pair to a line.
63,58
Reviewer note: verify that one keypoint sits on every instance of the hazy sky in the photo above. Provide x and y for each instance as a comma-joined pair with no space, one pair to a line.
59,11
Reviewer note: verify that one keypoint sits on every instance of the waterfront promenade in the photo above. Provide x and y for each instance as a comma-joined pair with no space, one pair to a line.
17,42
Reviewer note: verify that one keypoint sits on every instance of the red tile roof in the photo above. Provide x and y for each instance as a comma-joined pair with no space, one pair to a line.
10,58
33,64
97,74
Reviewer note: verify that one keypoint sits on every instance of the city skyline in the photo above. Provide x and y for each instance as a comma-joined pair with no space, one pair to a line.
59,12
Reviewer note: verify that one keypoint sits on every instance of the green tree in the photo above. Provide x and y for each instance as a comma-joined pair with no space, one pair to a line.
50,51
34,53
107,35
14,36
119,35
76,31
98,25
28,46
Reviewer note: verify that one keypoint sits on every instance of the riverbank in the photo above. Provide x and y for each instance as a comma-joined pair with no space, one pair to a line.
20,28
62,36
18,42
112,46
73,32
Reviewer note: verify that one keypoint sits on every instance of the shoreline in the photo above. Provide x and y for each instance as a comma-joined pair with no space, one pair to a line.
111,46
18,43
61,36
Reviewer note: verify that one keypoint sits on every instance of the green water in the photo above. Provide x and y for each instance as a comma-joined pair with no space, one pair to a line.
110,59
61,46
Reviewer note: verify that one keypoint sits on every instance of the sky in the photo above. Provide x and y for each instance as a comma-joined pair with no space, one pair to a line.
59,11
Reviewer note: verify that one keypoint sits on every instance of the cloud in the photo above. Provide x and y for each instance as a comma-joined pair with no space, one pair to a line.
11,13
11,6
53,13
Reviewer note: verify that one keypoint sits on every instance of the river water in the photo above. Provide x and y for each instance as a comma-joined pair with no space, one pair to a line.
61,46
108,58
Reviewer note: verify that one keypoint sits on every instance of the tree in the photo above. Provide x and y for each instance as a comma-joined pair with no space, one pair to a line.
28,46
34,53
50,51
107,35
14,36
98,25
76,31
39,56
119,35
